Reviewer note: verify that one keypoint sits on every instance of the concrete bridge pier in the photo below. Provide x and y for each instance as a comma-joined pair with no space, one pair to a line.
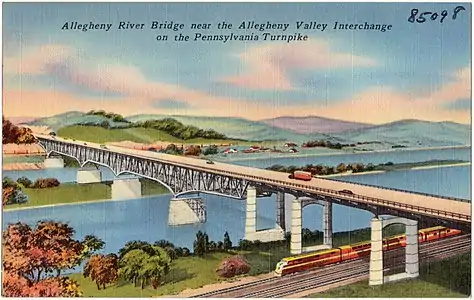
53,162
126,188
296,244
89,175
280,210
327,224
376,276
297,225
184,211
251,233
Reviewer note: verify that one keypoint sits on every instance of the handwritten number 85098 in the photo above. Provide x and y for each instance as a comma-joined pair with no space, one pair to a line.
421,18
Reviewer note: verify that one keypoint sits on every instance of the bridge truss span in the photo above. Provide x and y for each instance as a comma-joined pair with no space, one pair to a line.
184,175
180,180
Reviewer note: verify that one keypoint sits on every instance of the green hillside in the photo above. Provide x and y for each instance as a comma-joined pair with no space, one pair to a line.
98,134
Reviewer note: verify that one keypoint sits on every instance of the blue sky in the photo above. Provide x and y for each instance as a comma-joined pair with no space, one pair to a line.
412,62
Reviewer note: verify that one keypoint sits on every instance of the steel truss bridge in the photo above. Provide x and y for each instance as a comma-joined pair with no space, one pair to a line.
184,175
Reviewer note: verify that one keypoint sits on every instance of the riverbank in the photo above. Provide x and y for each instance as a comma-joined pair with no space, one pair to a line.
335,153
73,193
194,275
23,166
394,168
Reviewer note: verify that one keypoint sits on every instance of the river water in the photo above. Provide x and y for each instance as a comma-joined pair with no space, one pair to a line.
117,222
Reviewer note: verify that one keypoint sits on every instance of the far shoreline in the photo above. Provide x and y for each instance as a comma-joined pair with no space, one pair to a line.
26,166
290,155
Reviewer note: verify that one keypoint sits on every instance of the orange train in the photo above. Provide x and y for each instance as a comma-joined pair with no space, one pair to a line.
305,262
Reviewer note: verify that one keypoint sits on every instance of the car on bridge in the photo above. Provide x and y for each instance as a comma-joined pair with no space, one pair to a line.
103,147
348,192
52,133
209,162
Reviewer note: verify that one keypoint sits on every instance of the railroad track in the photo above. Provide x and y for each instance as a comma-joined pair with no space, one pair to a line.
292,284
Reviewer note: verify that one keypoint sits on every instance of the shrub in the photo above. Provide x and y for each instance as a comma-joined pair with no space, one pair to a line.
25,182
232,266
245,244
42,183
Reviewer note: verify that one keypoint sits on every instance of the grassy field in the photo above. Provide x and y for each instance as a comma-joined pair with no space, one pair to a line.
11,159
150,187
195,272
76,193
65,193
199,141
188,272
97,134
403,166
447,279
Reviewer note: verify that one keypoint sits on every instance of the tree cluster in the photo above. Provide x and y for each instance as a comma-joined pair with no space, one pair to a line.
326,144
33,259
102,269
42,183
202,245
12,192
325,170
109,115
12,134
193,150
173,149
179,130
148,264
211,150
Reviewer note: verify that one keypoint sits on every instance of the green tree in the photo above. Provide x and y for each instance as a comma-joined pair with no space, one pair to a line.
227,242
201,244
91,244
24,181
341,168
155,267
131,264
211,150
133,245
138,265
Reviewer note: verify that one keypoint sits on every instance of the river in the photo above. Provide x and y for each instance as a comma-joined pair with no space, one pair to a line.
117,222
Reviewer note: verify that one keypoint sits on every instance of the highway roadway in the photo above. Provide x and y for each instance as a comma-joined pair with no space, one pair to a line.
406,201
302,284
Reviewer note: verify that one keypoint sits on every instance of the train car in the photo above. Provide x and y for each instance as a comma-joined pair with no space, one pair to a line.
309,261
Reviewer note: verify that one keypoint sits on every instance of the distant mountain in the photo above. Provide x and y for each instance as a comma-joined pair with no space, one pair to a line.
235,127
20,120
413,133
313,124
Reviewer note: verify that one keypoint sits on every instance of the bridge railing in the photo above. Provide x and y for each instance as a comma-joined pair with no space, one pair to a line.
382,202
400,190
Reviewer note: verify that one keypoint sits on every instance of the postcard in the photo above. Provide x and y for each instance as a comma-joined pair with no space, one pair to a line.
236,149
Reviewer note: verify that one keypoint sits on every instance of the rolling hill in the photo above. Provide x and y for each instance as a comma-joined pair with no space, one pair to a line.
413,133
72,118
236,128
313,124
410,133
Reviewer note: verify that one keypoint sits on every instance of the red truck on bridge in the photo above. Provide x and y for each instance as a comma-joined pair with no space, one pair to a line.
301,175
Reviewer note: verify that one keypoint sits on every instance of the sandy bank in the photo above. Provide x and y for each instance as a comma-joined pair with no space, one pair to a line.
441,166
22,149
22,166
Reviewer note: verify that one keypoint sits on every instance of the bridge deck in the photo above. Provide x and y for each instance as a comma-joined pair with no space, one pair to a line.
379,196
